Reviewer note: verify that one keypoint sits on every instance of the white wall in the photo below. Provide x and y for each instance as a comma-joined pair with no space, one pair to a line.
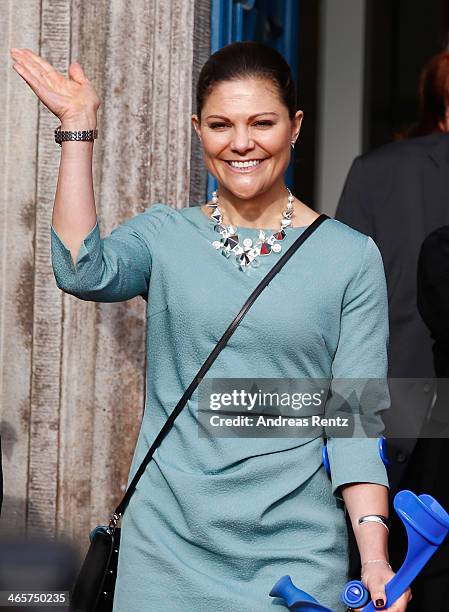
340,97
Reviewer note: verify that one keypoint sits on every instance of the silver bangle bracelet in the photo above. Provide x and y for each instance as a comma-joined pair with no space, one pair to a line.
375,518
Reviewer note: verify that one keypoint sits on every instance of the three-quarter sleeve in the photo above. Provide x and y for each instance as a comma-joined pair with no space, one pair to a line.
114,268
362,354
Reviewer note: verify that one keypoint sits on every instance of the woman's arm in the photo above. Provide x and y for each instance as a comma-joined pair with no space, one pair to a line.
110,269
74,101
372,538
359,371
364,498
74,213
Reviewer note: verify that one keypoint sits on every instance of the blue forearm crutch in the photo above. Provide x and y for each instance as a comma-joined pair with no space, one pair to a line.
382,446
294,598
427,525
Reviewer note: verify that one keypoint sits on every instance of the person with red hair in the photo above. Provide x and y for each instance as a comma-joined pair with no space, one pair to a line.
399,194
433,98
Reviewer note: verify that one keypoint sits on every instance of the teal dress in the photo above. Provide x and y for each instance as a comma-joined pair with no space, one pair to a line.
216,521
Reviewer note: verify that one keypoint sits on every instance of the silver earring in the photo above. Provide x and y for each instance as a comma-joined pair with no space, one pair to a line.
293,144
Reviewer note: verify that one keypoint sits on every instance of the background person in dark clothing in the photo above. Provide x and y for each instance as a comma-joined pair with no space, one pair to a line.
398,194
430,474
433,298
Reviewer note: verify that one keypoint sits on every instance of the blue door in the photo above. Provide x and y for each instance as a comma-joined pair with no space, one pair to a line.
272,22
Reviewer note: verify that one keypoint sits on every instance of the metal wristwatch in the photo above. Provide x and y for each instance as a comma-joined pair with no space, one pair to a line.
61,135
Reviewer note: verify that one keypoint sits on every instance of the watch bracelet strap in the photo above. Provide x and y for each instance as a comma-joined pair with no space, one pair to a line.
80,135
209,361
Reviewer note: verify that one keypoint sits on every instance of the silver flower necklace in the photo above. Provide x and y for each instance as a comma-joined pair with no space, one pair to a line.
247,253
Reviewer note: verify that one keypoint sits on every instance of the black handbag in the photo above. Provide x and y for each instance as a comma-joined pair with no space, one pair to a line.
94,588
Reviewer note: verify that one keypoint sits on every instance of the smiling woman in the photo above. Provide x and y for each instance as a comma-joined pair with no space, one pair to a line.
214,522
249,151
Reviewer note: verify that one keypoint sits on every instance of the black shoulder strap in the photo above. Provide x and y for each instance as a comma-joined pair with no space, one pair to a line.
209,361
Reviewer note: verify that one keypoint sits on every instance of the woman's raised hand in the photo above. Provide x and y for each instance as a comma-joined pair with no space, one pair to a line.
66,98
